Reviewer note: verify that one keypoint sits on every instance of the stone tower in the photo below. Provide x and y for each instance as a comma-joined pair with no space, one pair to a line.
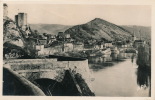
16,19
5,10
21,19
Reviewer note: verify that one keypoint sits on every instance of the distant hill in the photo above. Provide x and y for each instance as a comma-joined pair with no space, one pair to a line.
145,31
98,29
49,28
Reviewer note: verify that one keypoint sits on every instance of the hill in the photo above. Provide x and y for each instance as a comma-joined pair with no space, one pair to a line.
98,29
49,28
145,31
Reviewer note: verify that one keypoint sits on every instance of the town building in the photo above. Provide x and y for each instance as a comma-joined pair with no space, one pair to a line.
78,46
52,50
138,43
42,41
32,43
67,36
99,46
51,38
88,46
118,43
108,44
68,47
114,50
124,46
40,49
60,36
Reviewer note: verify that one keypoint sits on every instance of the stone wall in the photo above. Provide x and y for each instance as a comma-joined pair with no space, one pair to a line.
49,68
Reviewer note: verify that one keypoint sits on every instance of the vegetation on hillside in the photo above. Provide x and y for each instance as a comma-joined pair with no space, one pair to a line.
98,29
140,31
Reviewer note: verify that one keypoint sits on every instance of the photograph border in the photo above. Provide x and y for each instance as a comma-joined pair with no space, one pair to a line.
89,2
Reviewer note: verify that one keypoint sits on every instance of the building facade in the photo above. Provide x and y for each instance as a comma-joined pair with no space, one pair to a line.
108,45
68,47
42,41
138,43
40,49
78,46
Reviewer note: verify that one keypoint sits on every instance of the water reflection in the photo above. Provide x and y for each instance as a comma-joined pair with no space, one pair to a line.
121,71
99,62
144,78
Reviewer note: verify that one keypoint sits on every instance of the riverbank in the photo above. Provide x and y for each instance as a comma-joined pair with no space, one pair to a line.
96,66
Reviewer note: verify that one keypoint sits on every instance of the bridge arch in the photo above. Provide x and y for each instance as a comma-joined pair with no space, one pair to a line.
49,86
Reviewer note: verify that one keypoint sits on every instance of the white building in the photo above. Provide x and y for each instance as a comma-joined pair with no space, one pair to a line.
68,47
68,36
108,45
99,46
40,49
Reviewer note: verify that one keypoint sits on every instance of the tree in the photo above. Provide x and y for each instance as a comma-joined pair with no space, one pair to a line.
143,59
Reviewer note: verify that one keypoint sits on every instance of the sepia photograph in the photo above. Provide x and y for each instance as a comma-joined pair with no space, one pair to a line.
76,50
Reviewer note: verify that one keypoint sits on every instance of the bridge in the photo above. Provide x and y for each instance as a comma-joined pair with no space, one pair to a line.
53,72
123,49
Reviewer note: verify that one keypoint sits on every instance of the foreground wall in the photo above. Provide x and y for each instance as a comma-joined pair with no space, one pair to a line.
49,68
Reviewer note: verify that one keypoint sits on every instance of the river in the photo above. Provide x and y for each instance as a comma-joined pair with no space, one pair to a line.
119,80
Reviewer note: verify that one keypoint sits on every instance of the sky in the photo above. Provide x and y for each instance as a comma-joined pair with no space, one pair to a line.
73,14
